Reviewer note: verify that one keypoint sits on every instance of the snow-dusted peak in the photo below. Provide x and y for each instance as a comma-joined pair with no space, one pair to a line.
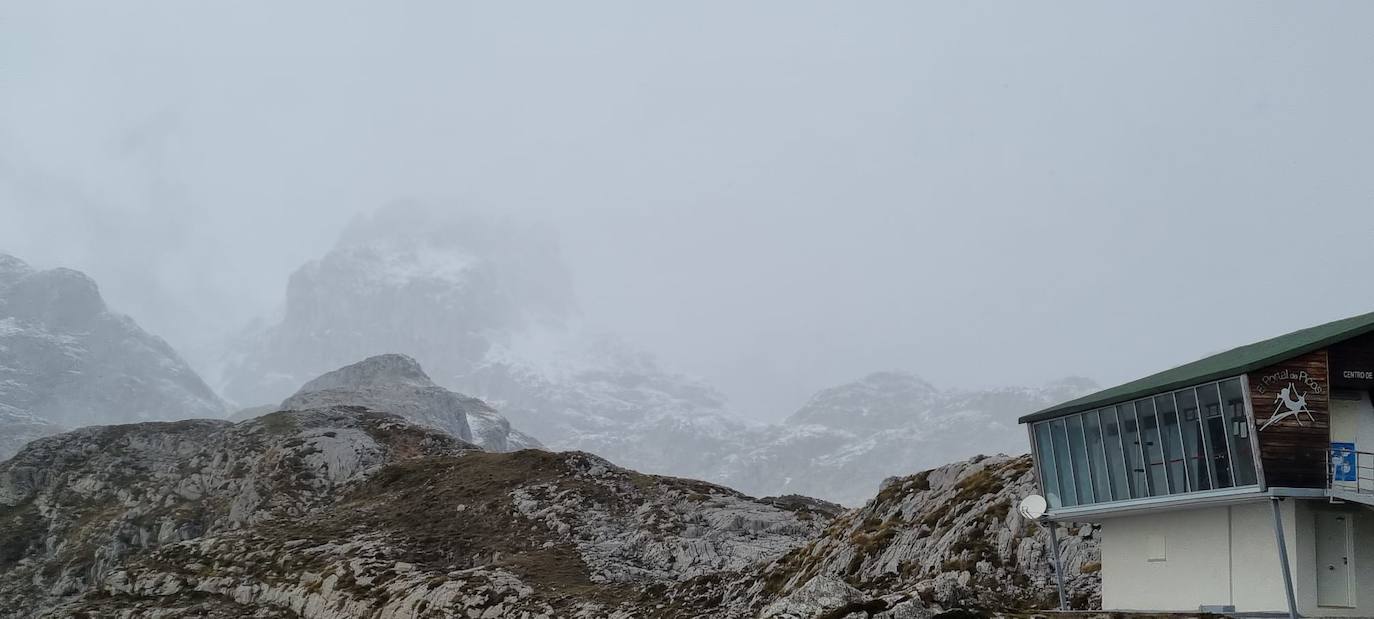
396,264
56,298
66,360
437,286
11,269
881,399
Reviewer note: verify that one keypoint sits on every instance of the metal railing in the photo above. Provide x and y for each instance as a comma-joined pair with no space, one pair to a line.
1348,470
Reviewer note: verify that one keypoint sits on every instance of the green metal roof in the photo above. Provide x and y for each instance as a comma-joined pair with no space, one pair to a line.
1221,365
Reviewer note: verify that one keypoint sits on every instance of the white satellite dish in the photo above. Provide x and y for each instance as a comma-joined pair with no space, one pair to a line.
1033,507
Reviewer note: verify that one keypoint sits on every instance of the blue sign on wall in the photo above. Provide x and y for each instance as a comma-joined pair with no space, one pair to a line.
1343,462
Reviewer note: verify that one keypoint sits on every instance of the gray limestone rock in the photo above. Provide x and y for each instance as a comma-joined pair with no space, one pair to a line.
396,384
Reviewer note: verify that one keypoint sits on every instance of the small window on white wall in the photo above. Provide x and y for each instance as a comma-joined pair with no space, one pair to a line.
1156,549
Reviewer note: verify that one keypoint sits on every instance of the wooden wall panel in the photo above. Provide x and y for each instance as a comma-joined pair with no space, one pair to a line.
1293,447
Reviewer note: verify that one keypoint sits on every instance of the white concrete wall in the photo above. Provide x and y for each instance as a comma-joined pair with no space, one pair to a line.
1256,575
1362,563
1228,555
1212,556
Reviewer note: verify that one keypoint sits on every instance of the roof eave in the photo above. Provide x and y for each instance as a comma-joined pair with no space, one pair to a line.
1088,402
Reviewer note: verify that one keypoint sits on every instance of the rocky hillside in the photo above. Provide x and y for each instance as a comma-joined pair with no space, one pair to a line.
397,384
344,512
66,360
947,537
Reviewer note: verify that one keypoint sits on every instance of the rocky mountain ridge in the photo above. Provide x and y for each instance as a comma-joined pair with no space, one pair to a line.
66,360
397,384
344,512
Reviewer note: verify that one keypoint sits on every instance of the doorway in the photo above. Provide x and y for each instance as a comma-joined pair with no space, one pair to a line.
1335,540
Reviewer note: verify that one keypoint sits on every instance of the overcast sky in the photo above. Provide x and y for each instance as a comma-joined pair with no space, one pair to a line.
775,196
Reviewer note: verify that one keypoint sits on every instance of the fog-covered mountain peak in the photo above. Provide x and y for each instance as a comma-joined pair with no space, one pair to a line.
59,298
405,279
66,360
880,399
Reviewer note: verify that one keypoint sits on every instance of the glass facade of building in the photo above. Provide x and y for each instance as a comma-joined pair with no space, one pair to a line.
1189,440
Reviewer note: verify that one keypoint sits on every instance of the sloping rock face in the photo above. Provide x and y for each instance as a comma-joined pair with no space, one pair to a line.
75,506
344,512
945,538
396,384
66,360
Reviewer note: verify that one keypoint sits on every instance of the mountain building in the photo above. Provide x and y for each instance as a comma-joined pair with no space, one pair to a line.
1240,482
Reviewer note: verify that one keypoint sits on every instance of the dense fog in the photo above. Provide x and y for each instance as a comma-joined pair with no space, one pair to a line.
773,198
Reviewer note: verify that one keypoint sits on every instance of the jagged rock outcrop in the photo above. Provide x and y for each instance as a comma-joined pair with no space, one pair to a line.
344,512
948,537
66,360
396,384
74,506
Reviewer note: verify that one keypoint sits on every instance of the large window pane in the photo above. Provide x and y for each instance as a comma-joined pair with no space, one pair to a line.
1116,459
1172,438
1135,465
1214,428
1194,445
1078,451
1062,463
1238,432
1044,453
1097,458
1151,447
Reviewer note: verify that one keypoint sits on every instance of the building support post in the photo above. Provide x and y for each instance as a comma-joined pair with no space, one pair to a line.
1058,568
1283,558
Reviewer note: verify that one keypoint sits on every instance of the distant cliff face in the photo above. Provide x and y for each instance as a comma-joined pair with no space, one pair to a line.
403,280
396,384
67,360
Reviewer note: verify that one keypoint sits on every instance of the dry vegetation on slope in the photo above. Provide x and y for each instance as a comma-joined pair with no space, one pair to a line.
344,512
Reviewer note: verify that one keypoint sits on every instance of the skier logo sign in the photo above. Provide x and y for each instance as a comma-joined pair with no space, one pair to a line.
1291,403
1297,395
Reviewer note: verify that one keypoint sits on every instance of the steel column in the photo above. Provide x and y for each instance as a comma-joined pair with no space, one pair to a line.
1283,559
1058,568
